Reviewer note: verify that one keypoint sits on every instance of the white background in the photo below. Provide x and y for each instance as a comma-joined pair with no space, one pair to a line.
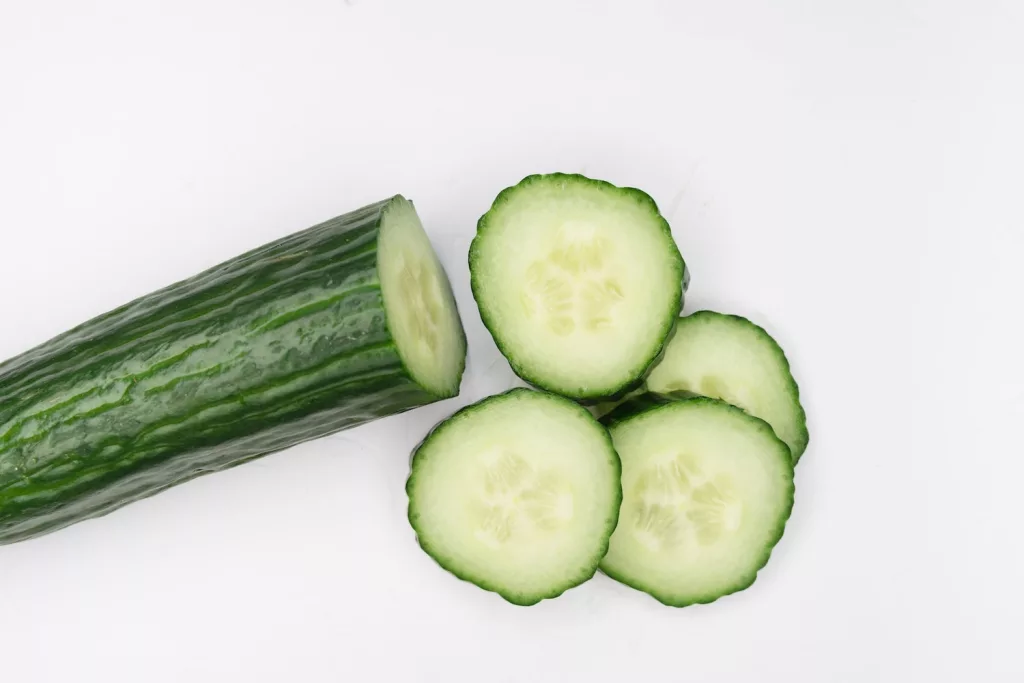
848,174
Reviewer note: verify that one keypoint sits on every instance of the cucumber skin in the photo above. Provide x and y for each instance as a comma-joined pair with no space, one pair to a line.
585,398
518,600
284,344
650,402
635,402
633,405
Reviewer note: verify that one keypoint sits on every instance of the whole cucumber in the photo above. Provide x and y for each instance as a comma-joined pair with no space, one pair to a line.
342,323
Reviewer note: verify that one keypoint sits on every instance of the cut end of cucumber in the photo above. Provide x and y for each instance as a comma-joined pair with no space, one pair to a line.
422,316
579,282
517,494
732,359
707,490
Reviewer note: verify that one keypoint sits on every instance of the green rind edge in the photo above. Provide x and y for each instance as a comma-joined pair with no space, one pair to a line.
639,402
676,305
519,600
748,580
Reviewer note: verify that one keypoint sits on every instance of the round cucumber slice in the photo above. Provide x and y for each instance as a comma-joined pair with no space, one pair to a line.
578,281
729,357
518,494
707,490
421,312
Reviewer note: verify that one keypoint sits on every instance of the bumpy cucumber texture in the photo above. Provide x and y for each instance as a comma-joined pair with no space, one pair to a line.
345,322
517,494
578,281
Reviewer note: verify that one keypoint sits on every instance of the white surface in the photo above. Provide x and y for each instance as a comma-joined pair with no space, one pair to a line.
847,173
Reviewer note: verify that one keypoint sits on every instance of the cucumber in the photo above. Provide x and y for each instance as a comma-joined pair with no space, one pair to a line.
345,322
707,490
729,357
517,494
578,281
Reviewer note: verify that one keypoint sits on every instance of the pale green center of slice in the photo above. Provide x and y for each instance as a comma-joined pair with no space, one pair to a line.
518,501
571,287
675,503
422,294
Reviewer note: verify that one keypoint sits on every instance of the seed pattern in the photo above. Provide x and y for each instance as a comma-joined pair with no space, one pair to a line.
675,501
423,307
519,498
569,287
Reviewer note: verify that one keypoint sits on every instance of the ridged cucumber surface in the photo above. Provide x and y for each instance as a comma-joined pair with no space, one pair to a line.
342,323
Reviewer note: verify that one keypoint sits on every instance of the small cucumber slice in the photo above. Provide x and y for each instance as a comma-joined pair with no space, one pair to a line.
729,357
518,494
578,281
707,490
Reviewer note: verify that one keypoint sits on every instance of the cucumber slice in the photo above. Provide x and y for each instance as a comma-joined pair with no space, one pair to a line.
707,490
578,281
729,357
518,494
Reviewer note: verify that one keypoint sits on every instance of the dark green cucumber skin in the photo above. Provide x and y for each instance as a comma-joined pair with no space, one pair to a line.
636,402
633,405
286,343
582,395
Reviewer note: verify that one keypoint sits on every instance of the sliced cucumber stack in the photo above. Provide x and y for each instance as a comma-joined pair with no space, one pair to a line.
580,285
729,357
707,490
578,281
518,494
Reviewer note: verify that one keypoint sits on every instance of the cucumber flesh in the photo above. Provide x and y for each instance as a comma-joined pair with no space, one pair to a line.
707,490
578,281
421,312
517,494
730,358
